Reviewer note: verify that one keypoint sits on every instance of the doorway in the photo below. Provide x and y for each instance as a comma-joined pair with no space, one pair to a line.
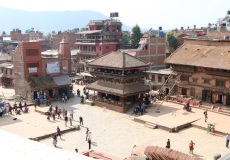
219,98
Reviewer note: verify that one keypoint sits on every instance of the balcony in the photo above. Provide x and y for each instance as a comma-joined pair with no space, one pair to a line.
98,41
118,75
92,53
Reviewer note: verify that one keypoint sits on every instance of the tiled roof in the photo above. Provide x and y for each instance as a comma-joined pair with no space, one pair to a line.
118,60
201,56
118,89
218,35
155,152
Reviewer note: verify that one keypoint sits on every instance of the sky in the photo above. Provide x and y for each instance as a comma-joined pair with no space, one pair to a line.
169,14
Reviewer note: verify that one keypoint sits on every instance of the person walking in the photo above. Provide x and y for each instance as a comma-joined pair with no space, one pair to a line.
205,115
81,120
227,140
58,132
191,147
70,120
55,140
59,113
89,139
63,111
66,120
20,106
71,113
87,132
168,144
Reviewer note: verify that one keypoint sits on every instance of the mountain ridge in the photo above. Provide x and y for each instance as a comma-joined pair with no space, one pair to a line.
47,21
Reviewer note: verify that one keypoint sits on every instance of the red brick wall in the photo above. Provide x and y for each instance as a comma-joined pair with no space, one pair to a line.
32,59
19,36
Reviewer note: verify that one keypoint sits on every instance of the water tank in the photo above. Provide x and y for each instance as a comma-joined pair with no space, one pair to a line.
160,28
161,34
182,28
228,13
116,14
111,14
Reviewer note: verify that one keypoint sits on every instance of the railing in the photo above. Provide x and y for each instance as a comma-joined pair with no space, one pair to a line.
139,74
113,102
98,41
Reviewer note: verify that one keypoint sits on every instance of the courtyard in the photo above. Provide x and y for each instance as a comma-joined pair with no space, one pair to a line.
116,133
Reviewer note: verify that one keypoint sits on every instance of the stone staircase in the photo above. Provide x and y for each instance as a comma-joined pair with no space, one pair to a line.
150,125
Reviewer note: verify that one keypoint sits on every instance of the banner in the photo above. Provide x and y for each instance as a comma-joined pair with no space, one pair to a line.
33,70
53,67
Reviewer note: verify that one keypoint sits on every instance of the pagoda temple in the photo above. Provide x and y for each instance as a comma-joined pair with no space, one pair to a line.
119,80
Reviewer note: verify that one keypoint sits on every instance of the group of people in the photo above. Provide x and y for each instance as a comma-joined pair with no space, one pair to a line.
139,109
191,145
6,108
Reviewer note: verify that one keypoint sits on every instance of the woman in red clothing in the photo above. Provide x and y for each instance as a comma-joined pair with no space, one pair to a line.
191,147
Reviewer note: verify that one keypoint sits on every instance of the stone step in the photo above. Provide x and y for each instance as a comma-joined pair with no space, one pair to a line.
150,125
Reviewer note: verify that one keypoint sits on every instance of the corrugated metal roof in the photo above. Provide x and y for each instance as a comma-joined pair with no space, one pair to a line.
62,80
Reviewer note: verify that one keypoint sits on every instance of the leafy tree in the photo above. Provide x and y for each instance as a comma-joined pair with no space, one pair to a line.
126,39
136,36
172,40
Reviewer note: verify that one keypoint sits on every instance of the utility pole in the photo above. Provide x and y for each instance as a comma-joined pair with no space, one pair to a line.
149,49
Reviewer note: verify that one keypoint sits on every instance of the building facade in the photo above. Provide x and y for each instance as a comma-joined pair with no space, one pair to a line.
102,37
118,84
41,74
203,68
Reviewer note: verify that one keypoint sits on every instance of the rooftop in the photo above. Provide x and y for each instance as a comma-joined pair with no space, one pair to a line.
118,59
201,56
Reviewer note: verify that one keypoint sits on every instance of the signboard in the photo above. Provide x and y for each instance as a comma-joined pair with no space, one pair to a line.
53,67
33,70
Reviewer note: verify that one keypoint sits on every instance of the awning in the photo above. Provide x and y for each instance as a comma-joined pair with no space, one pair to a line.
86,74
76,78
89,32
62,80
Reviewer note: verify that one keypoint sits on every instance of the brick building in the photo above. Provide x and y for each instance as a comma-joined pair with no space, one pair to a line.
153,56
119,83
6,74
203,67
41,74
102,37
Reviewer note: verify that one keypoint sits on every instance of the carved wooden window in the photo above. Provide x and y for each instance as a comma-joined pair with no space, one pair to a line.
194,80
206,81
220,83
192,91
159,79
184,78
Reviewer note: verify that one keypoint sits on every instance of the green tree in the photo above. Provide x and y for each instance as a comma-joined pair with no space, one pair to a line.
126,39
172,40
136,36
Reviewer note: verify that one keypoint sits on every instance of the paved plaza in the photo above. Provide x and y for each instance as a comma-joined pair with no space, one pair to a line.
116,133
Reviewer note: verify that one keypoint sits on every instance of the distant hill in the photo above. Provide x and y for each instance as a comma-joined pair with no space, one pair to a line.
47,21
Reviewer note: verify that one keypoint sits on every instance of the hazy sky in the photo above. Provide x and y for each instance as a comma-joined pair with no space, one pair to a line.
169,14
